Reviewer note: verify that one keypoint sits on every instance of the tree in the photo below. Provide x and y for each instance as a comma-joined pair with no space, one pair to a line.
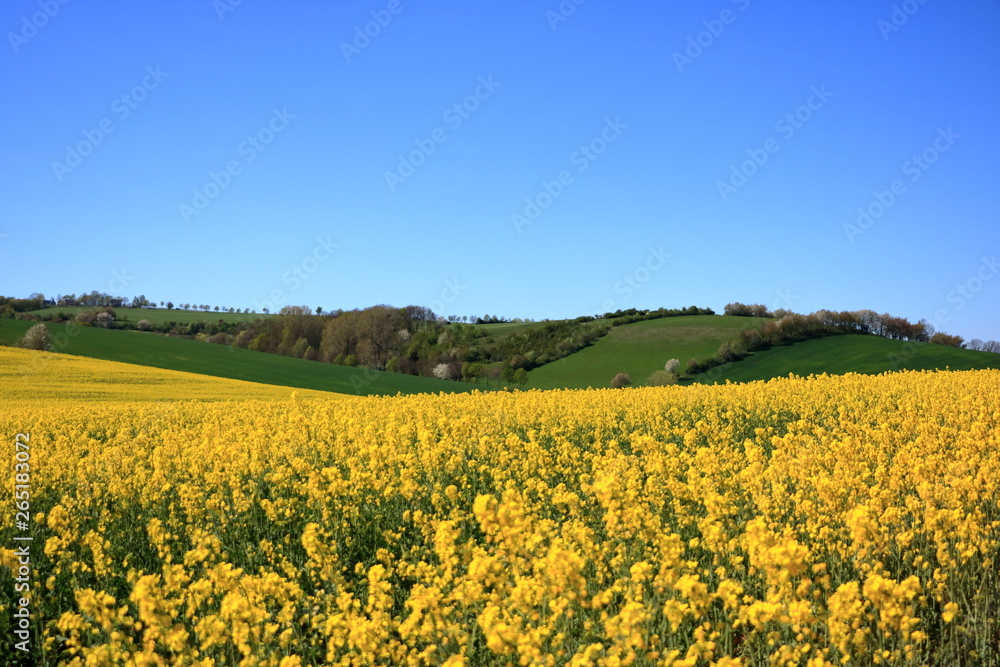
992,346
339,336
520,377
726,352
216,309
941,338
661,379
519,361
37,338
672,365
377,337
976,344
472,371
170,305
319,310
442,372
621,380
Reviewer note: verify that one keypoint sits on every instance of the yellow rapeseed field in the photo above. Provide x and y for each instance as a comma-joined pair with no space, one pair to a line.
829,520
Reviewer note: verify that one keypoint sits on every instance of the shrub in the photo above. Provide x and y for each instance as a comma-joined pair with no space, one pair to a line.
661,379
693,366
37,338
621,380
105,319
143,325
941,338
221,338
725,352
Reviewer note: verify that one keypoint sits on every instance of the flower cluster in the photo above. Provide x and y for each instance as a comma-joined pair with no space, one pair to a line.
819,521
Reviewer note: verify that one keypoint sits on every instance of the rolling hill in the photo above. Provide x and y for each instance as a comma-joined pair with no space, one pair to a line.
33,376
639,349
845,354
155,315
228,362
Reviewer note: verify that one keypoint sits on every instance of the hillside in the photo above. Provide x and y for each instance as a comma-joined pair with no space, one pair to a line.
639,349
155,315
845,354
31,376
229,362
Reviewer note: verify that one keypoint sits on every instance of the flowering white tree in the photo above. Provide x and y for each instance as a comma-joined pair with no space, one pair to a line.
37,338
442,372
672,365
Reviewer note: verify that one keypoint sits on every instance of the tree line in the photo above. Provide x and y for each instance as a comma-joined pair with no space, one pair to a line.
793,327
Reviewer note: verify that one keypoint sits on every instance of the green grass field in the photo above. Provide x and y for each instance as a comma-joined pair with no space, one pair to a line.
639,349
848,353
182,354
158,315
501,329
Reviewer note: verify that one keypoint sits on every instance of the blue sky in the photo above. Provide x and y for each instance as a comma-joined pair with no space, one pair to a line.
530,159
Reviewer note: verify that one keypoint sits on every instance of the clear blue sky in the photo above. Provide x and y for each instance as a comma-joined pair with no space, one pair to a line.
310,129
